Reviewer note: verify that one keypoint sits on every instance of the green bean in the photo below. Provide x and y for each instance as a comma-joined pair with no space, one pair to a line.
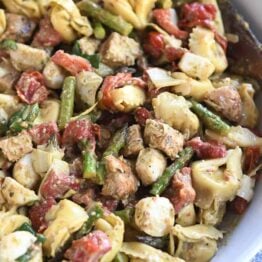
89,161
100,172
27,227
117,142
94,213
25,258
24,118
161,184
126,215
99,31
210,120
117,23
8,44
67,101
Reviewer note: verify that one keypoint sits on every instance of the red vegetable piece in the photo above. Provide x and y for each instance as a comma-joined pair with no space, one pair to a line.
79,130
197,14
141,115
173,54
239,205
155,44
37,213
30,87
55,185
252,156
89,248
47,36
181,192
72,63
41,133
207,150
112,82
164,19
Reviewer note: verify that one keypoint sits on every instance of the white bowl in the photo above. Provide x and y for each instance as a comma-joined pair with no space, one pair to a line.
246,239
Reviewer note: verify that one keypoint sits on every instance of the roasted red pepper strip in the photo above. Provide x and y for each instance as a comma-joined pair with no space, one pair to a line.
164,19
72,63
207,150
252,156
30,87
197,14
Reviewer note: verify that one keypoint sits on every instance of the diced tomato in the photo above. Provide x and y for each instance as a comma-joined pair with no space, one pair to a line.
173,54
197,14
37,213
79,130
112,82
252,156
89,248
181,192
239,205
30,87
207,150
109,203
141,115
72,63
41,133
55,185
164,19
155,44
47,36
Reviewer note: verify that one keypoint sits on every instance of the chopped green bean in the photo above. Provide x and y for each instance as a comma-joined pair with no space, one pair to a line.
67,101
117,23
117,142
161,184
99,31
210,120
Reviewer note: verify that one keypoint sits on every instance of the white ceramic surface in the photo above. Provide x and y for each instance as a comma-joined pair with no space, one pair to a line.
246,239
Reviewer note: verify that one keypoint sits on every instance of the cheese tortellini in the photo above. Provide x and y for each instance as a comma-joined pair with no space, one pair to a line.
250,112
29,8
191,87
127,98
237,136
64,14
202,240
202,42
174,110
142,252
10,221
214,214
17,195
67,20
213,182
135,12
63,219
113,226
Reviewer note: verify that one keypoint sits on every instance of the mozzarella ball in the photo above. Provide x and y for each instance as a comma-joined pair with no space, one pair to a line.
155,216
150,165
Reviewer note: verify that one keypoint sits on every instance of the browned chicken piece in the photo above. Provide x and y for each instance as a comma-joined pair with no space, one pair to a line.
226,100
120,181
8,76
181,193
16,147
119,50
19,28
163,137
134,141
